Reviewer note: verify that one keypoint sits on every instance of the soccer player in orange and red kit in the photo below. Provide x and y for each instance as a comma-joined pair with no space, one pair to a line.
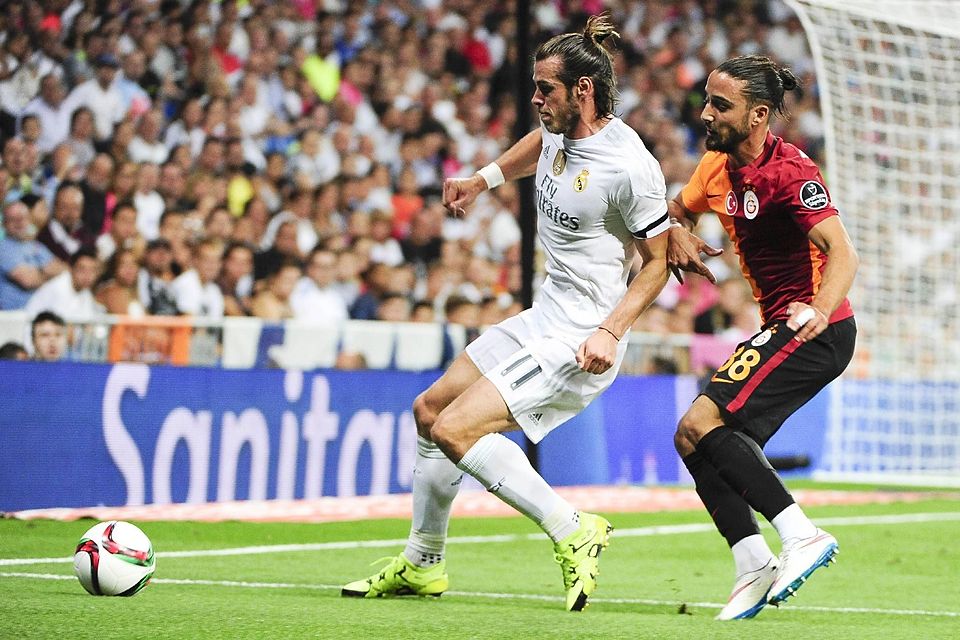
798,258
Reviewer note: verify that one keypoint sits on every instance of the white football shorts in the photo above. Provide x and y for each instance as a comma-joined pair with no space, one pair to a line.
534,366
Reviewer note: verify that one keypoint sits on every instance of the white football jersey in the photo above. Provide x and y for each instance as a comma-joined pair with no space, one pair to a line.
594,196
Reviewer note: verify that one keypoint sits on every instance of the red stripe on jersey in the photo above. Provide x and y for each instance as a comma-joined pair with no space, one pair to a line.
761,374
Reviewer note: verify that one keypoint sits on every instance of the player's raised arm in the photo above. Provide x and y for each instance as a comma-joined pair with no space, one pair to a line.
518,161
684,248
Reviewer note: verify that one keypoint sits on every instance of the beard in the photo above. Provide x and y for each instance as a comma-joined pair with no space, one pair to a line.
562,121
726,138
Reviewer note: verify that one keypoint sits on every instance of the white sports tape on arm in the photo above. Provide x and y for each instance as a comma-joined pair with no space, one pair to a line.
492,175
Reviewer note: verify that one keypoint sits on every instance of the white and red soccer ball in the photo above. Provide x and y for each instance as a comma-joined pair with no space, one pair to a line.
114,558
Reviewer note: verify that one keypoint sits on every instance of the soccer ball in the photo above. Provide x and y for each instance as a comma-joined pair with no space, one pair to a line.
114,559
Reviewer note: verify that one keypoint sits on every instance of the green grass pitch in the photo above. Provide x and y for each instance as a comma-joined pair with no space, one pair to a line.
897,576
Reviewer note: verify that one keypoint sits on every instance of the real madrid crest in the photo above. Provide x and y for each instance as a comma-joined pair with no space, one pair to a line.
559,162
580,182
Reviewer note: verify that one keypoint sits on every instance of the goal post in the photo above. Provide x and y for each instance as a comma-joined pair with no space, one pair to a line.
888,74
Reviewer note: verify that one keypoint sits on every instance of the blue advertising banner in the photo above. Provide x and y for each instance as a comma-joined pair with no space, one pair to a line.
128,434
81,435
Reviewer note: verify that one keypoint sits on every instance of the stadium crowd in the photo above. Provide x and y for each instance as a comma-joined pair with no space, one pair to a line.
284,158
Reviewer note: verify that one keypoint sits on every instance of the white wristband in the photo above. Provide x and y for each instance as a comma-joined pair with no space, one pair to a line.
492,175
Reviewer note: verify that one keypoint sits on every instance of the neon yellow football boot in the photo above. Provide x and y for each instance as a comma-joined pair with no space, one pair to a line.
400,577
579,558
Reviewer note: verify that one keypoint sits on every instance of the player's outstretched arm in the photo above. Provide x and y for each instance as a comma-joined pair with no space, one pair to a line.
518,161
684,248
599,351
831,237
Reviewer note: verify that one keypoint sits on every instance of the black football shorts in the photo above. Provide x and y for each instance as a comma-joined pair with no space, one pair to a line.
771,375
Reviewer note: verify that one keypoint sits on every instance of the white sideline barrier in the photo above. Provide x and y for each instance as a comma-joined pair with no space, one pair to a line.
13,326
419,346
373,339
307,346
240,339
244,343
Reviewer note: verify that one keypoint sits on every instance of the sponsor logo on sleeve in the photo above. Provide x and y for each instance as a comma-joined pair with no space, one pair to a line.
813,195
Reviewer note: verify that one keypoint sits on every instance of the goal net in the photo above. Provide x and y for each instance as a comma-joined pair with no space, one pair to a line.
888,73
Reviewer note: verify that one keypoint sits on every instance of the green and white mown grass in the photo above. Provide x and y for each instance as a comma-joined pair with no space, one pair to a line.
893,580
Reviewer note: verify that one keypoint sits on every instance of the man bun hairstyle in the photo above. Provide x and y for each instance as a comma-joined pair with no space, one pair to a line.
585,55
766,82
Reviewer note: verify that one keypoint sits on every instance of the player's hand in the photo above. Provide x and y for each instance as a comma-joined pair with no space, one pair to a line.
598,352
807,321
683,254
459,193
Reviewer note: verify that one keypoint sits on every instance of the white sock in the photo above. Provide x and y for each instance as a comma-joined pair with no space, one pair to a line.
501,466
751,554
793,524
436,481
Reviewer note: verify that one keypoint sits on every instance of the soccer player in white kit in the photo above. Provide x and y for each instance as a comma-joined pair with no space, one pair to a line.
601,197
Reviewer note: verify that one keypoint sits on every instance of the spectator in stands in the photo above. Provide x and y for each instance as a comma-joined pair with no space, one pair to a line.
122,235
385,250
283,249
60,167
316,297
149,203
376,286
48,332
101,95
21,68
188,128
65,233
236,279
195,291
117,292
423,243
298,209
146,145
19,181
733,296
54,114
461,310
81,136
25,264
153,281
422,312
124,183
133,96
70,294
172,186
13,351
394,307
95,185
273,302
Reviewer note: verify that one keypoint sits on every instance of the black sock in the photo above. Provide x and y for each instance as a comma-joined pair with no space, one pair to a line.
731,513
741,463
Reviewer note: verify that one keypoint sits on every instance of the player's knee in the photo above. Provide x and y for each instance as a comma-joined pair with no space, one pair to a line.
682,444
689,432
443,433
424,415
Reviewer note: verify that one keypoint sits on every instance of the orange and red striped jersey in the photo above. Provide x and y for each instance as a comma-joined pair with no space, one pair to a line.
767,208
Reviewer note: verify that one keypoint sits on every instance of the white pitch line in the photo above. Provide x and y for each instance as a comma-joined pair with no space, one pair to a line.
657,530
507,596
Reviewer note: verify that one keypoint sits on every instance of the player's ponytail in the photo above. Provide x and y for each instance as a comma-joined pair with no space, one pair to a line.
765,82
598,29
